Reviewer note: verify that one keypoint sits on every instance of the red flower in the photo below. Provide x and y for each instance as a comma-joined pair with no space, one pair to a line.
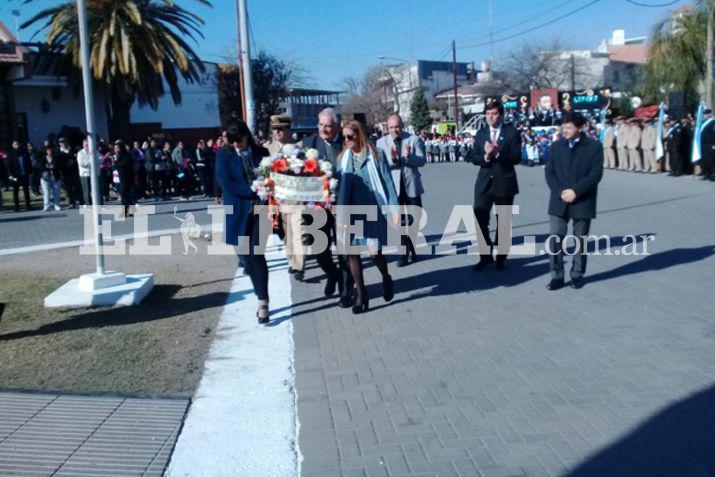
311,167
280,166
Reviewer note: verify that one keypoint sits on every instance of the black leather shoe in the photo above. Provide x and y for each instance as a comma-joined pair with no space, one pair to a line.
577,283
403,262
555,284
299,276
331,285
291,271
483,263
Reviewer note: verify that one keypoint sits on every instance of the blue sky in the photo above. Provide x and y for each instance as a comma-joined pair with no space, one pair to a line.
333,40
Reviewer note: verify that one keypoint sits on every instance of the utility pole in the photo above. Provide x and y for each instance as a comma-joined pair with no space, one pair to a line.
573,73
247,85
240,64
454,77
709,55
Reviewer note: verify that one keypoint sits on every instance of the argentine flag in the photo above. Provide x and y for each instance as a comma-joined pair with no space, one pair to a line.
697,153
659,152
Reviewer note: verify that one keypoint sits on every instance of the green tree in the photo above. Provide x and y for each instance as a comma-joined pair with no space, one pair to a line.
677,56
419,110
136,46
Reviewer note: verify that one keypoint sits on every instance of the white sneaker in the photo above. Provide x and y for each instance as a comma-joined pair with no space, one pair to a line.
57,207
46,209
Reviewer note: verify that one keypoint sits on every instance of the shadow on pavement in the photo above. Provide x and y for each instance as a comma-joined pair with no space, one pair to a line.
677,441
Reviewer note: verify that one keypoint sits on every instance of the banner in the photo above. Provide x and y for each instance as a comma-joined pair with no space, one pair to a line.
297,188
588,99
511,102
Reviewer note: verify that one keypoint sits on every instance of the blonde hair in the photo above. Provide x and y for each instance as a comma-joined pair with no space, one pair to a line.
361,136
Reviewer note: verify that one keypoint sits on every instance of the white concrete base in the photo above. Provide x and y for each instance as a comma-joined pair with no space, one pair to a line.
91,282
134,289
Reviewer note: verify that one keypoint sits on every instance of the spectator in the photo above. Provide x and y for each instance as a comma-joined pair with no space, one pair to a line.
19,170
84,163
51,179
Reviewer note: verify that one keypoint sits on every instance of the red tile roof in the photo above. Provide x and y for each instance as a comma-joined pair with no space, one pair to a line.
8,54
629,53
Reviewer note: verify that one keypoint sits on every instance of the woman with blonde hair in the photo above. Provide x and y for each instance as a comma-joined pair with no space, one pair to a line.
366,181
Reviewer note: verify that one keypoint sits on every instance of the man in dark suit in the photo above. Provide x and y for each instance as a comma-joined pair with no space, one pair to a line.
573,172
676,144
329,142
497,149
19,169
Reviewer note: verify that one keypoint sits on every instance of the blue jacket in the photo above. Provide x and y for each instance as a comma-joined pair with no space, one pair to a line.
236,189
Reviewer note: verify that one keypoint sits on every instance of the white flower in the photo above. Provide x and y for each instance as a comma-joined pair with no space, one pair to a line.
266,162
333,184
311,154
288,150
297,169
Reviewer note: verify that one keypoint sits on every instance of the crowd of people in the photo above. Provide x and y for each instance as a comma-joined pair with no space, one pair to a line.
128,172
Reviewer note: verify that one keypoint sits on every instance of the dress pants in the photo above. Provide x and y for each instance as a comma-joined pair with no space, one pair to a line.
24,182
406,221
610,158
557,230
482,211
293,240
622,158
254,264
649,162
634,160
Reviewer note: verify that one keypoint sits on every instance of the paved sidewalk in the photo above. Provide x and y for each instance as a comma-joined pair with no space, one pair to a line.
489,374
73,435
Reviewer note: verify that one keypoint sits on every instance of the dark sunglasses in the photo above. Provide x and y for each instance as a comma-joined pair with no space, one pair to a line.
349,137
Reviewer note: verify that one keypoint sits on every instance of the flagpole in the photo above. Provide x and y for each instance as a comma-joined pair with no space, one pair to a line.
91,133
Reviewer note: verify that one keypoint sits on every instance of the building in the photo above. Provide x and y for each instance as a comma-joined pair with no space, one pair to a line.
12,59
303,105
36,104
401,81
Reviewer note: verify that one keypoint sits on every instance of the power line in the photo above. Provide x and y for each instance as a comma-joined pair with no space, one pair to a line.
653,5
529,30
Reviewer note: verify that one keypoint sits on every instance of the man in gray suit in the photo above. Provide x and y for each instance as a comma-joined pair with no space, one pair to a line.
406,154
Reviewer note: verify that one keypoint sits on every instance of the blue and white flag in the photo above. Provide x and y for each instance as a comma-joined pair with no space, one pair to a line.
659,152
697,153
603,125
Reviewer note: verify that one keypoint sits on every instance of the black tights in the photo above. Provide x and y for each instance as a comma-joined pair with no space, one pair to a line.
356,271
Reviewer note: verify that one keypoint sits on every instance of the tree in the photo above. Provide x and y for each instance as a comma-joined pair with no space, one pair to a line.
544,65
372,95
135,46
419,110
272,78
677,56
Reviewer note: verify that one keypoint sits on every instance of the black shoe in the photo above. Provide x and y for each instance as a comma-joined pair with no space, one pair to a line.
262,314
331,285
403,262
483,263
501,265
299,275
388,288
414,257
577,283
362,307
555,284
291,271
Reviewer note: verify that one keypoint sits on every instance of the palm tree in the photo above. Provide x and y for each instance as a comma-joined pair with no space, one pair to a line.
677,56
135,45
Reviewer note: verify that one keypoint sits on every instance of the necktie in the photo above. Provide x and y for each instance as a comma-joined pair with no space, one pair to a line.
494,136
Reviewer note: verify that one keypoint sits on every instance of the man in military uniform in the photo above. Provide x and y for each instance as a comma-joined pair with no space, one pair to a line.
291,223
648,141
621,134
633,142
609,138
675,141
281,132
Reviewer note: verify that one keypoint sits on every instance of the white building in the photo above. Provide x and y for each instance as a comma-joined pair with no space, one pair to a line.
402,80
